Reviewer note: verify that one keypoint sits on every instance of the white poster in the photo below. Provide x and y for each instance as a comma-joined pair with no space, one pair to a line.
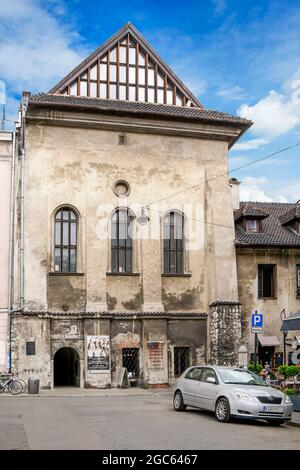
98,352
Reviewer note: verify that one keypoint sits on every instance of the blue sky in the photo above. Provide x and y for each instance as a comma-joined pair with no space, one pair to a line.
237,56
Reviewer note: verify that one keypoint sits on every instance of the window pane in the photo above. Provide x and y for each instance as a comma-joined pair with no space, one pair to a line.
113,92
151,77
114,265
65,233
141,94
73,88
103,90
57,260
141,58
93,73
131,75
93,89
73,233
141,76
151,95
129,261
65,265
57,233
160,96
122,73
103,72
83,88
113,55
166,261
72,215
172,261
72,260
132,93
122,54
121,261
179,262
132,55
113,73
104,59
169,97
122,92
178,100
65,215
160,80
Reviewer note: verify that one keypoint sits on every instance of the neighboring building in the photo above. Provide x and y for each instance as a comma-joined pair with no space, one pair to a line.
6,150
107,279
268,265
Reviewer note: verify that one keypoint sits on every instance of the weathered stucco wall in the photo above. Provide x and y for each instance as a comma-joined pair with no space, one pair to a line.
286,298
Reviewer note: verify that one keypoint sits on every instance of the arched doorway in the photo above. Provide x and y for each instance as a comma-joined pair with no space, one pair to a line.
66,368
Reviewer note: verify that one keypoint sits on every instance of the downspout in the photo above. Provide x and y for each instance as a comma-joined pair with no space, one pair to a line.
11,248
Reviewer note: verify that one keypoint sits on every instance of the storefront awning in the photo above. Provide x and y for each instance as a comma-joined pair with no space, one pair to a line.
267,341
291,323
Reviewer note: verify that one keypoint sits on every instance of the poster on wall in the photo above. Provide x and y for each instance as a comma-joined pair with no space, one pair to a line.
98,351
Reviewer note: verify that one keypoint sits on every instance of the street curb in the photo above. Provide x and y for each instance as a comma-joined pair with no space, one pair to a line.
294,424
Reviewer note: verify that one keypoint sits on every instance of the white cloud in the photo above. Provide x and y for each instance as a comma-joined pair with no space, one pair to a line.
36,49
276,114
232,93
219,7
250,144
251,190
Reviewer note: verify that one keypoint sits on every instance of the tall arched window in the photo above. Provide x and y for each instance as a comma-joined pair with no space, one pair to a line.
173,242
121,241
65,251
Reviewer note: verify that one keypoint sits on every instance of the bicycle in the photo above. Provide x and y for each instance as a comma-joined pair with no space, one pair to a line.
11,384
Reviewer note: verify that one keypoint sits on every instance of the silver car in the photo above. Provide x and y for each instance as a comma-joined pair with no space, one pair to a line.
231,392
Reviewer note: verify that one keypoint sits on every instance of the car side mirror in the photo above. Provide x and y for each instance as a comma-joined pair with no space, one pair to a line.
211,380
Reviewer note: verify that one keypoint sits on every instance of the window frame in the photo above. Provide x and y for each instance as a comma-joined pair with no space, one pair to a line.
258,225
171,248
61,246
260,289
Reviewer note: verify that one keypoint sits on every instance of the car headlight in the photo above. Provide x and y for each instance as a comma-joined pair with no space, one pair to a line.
287,400
244,396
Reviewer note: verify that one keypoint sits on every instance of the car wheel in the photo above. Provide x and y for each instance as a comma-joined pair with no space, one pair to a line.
178,402
222,411
276,422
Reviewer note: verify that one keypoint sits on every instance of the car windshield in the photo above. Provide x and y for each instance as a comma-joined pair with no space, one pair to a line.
240,377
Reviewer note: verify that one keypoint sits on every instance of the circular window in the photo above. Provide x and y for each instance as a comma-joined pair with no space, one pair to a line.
121,188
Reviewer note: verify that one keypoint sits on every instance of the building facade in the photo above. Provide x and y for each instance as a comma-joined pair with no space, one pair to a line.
6,157
124,253
268,267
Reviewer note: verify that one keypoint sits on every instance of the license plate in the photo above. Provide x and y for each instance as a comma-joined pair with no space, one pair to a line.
274,409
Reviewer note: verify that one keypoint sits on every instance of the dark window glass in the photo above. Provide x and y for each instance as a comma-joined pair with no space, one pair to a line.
266,280
208,373
121,241
65,251
181,360
194,374
173,243
30,348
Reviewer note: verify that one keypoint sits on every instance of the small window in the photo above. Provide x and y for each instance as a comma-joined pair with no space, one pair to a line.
266,281
253,226
30,348
298,279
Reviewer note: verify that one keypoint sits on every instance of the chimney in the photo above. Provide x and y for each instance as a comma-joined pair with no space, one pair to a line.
235,193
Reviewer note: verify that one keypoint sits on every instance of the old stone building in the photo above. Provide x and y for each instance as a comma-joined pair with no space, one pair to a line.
268,267
124,253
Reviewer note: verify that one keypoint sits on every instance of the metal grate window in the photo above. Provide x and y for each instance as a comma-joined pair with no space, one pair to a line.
181,360
131,362
30,348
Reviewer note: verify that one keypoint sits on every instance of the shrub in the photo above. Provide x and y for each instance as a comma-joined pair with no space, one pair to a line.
256,368
289,371
290,391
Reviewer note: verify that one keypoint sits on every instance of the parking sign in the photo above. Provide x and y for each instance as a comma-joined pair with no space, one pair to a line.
257,322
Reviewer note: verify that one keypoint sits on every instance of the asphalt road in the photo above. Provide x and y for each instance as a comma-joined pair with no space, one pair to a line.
129,422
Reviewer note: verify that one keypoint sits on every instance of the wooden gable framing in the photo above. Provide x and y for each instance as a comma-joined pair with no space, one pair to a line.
126,67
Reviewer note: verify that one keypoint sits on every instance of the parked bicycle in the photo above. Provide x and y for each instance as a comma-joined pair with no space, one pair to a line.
11,384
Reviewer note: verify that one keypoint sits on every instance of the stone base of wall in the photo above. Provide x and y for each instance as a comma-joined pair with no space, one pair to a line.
225,332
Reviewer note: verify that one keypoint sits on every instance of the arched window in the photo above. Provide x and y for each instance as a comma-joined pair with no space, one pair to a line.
121,241
65,251
173,242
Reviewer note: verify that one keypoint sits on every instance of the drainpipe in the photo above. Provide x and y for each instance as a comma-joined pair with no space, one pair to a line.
11,248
